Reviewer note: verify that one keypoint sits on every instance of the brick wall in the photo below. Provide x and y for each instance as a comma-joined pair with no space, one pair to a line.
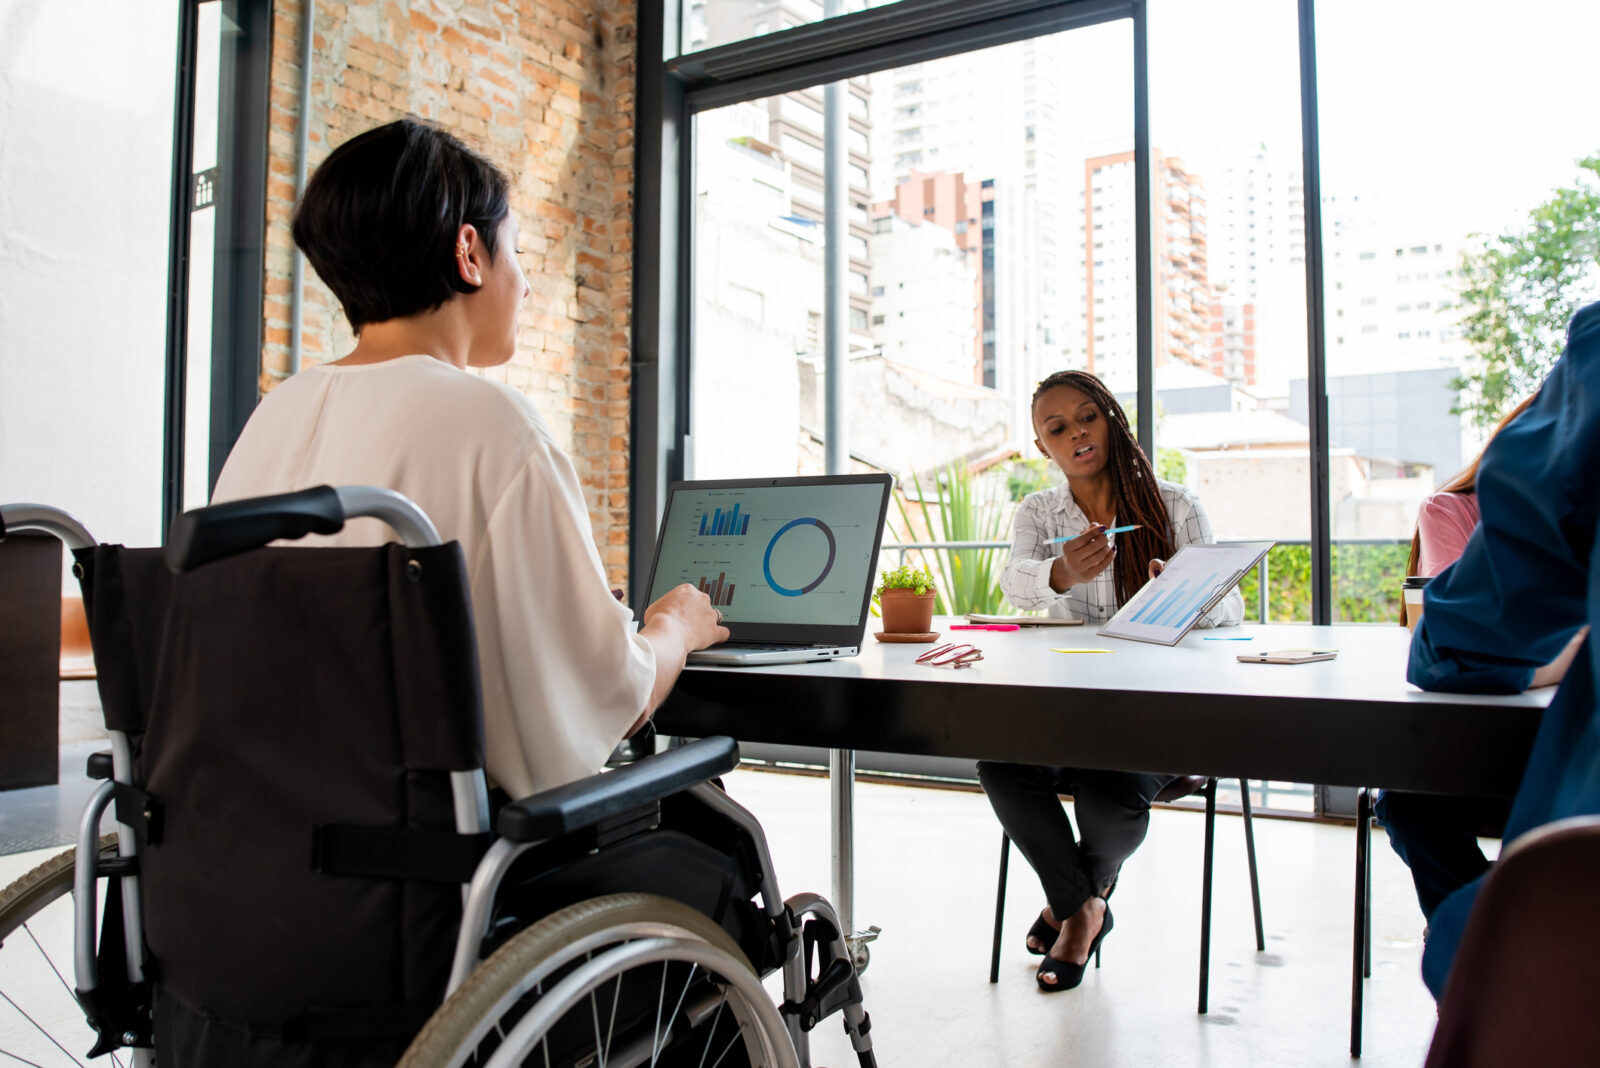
545,89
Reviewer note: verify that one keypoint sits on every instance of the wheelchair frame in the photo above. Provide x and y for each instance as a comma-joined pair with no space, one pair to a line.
807,1001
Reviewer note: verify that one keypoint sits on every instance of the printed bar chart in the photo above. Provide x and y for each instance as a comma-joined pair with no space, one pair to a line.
724,524
720,591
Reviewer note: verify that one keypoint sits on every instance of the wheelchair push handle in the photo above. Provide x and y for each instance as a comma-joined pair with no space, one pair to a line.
16,518
204,535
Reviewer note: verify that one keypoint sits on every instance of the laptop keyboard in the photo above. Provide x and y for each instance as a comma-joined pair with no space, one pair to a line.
759,647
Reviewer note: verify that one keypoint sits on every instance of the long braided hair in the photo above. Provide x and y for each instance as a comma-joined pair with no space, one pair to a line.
1133,487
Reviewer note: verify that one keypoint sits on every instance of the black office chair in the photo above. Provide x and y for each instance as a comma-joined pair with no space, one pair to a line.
1182,787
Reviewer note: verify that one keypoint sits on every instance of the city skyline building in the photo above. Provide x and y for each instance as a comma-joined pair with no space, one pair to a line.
995,116
1183,292
952,204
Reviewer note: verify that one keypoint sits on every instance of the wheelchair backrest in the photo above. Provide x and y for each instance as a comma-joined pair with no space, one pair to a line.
295,716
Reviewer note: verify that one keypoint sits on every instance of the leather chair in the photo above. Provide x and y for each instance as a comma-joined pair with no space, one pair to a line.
1185,786
1522,987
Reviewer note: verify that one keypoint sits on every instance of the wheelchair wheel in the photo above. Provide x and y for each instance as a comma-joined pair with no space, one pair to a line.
40,1021
621,980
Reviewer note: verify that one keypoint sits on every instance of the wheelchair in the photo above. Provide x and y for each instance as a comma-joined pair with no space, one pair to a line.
302,870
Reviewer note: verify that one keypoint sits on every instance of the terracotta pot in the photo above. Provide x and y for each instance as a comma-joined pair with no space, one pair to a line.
906,611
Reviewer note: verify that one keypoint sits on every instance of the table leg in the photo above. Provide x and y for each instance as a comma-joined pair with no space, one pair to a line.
842,781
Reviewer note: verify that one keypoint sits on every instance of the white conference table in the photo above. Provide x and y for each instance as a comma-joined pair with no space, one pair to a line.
1186,709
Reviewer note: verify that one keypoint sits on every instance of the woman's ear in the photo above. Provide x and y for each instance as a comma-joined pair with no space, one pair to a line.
1040,446
469,254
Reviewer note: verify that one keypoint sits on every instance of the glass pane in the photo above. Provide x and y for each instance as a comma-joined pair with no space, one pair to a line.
1412,223
1229,230
202,256
709,23
85,178
966,261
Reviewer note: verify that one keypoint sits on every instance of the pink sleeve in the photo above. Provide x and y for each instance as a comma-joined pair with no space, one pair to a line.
1444,524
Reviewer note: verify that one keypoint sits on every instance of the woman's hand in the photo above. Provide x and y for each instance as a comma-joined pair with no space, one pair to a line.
690,609
1552,673
1081,559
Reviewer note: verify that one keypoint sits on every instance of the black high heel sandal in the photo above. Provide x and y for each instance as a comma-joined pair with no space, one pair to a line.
1070,975
1044,934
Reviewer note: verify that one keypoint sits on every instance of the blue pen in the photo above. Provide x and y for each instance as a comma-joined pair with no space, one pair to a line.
1112,530
1227,639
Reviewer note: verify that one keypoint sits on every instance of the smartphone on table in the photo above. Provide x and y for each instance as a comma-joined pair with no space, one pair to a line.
1289,656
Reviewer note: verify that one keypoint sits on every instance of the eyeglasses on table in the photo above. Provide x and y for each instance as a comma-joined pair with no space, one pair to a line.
951,654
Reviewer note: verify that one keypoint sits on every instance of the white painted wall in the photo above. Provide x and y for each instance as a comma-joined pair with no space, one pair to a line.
86,92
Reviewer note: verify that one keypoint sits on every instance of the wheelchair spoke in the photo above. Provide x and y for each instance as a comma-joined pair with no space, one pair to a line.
661,998
19,1060
41,1030
687,981
616,996
725,1049
64,984
594,1013
711,1032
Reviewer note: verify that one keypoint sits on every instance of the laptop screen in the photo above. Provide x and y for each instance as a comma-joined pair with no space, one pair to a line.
776,553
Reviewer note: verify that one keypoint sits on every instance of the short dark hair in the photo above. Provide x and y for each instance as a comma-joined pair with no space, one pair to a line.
379,219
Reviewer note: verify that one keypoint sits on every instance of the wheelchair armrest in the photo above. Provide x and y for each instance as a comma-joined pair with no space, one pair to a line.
583,803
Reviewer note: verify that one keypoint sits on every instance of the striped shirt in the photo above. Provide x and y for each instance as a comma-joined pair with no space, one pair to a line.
1053,513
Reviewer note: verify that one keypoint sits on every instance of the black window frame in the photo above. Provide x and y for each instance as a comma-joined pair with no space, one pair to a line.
238,290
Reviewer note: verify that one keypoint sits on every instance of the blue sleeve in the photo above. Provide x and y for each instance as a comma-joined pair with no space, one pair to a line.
1517,594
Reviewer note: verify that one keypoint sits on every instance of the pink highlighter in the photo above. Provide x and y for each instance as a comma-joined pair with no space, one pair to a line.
984,626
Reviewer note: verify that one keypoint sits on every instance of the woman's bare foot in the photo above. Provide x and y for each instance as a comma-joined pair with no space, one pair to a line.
1048,917
1072,946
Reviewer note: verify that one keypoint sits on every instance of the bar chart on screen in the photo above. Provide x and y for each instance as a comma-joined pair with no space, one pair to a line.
1193,581
719,590
724,522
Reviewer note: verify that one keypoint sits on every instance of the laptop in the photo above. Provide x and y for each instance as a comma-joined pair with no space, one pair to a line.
790,562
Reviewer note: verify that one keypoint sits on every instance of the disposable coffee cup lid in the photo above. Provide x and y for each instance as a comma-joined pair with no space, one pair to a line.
1416,582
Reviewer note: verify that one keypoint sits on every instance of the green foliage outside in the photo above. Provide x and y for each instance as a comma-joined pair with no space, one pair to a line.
1518,292
1366,583
967,580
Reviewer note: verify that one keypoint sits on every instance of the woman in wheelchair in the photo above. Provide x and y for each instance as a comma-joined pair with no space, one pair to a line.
413,233
303,871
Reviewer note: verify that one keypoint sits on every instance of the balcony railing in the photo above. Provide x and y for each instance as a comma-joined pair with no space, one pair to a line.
1382,585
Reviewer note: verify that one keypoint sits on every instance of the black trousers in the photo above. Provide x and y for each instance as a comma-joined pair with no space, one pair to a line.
1437,837
1113,809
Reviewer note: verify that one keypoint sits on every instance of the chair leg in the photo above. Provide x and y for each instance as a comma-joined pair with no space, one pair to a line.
1359,951
1366,832
999,907
1205,897
1250,855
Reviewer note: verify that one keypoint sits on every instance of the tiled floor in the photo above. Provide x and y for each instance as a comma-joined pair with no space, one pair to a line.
925,874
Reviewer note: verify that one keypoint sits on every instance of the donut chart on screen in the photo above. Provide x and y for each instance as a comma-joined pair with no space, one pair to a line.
766,560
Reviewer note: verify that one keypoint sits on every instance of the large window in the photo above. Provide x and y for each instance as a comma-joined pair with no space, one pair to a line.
968,272
1408,210
999,226
1230,278
86,168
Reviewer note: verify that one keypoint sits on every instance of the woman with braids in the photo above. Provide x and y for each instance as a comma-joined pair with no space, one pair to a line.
1080,426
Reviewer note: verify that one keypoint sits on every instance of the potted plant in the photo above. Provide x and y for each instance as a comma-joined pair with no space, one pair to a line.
905,597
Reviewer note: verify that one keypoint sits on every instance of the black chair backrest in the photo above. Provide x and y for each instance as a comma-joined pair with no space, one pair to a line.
274,699
1521,990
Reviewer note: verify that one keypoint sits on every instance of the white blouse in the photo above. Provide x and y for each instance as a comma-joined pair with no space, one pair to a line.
564,674
1053,513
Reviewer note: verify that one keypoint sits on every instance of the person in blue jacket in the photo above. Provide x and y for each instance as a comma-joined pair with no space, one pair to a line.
1523,593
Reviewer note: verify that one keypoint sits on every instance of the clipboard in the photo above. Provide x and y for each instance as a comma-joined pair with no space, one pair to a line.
1195,579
